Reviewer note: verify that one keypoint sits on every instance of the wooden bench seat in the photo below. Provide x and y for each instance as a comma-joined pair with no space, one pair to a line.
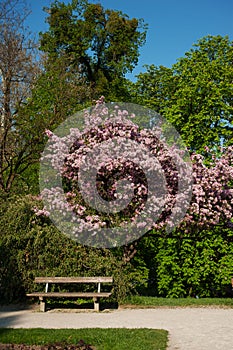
71,280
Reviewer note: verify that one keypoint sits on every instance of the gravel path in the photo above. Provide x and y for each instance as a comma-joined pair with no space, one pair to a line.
189,328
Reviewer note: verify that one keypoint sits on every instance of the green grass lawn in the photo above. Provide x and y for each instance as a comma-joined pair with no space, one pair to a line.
102,339
142,301
137,301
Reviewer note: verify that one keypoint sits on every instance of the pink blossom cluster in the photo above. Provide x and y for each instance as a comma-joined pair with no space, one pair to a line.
212,201
114,174
130,165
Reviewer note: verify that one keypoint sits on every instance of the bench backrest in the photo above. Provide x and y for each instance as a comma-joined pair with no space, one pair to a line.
73,279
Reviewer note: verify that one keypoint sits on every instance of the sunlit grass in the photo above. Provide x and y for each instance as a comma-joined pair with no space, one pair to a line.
145,301
102,339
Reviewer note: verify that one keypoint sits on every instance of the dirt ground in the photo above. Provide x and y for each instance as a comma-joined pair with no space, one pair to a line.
57,346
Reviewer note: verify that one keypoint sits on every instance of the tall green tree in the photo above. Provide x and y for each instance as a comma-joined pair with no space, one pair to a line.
196,94
99,44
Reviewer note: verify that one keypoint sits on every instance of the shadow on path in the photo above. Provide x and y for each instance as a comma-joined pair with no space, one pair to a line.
10,314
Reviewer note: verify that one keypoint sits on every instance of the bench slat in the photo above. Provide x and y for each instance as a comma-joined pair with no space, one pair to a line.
73,279
50,280
69,294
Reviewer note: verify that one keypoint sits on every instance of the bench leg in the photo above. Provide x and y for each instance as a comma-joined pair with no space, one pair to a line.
42,304
96,304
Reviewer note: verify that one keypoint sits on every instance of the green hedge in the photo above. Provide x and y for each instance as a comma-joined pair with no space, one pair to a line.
31,246
168,267
185,266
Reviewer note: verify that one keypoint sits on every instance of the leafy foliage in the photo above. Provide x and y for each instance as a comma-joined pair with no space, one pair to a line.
87,52
31,246
195,95
189,266
99,45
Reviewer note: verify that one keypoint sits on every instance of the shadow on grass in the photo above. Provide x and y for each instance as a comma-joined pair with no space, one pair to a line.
79,306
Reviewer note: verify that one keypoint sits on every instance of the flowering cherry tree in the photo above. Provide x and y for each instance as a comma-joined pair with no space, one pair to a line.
212,200
114,180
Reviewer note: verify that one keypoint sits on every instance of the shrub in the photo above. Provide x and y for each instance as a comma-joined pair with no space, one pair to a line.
32,246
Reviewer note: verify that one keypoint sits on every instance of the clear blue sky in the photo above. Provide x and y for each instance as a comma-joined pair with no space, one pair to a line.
174,25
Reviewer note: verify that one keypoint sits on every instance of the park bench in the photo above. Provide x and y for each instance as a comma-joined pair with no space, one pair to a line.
43,296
